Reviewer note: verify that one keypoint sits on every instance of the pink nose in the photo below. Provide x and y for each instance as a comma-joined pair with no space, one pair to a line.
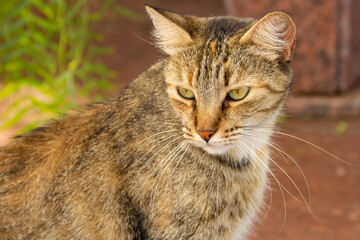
205,134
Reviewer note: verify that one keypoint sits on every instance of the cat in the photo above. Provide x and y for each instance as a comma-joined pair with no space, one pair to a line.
176,155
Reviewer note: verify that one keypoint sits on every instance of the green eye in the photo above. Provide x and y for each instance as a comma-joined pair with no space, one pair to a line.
186,93
238,94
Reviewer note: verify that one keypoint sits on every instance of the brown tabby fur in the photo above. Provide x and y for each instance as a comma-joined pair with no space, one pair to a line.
133,167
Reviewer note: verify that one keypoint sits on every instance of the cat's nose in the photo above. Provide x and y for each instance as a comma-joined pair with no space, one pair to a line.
205,134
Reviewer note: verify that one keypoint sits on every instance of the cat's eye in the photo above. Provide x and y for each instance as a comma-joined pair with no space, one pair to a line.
238,94
186,93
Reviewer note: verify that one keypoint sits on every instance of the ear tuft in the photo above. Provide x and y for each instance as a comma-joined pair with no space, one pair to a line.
276,31
170,36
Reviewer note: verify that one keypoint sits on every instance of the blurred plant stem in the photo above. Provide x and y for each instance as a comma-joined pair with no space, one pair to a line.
48,57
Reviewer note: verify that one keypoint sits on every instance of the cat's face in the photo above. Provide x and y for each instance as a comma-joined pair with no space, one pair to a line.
224,78
222,95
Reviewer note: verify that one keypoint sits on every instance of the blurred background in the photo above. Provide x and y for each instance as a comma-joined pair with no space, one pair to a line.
57,54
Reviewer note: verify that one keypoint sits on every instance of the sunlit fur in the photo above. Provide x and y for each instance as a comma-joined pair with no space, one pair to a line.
134,167
212,68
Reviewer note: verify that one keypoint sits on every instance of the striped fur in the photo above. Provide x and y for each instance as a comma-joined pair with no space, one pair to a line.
134,167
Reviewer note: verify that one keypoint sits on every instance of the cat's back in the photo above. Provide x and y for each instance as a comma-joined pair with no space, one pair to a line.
31,166
59,171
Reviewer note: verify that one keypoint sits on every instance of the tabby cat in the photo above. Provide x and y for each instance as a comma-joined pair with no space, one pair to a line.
174,156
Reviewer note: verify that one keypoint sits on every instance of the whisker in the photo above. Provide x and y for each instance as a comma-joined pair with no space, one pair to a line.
281,187
150,175
143,140
292,181
297,165
268,169
267,155
143,39
285,212
161,141
188,144
175,151
271,199
274,126
314,145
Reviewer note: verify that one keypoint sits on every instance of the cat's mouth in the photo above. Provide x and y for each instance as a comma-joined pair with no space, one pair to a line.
215,146
212,147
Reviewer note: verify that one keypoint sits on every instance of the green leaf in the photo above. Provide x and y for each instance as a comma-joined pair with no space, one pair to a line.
74,11
11,56
48,46
10,44
14,10
47,9
11,27
43,23
9,89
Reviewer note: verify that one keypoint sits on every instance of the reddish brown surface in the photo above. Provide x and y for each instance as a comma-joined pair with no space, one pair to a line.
334,186
343,105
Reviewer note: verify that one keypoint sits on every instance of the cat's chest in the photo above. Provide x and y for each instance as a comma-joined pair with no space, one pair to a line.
199,197
239,204
207,206
238,195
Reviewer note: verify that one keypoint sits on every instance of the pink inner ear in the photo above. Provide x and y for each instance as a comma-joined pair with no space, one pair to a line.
284,29
291,48
275,31
289,38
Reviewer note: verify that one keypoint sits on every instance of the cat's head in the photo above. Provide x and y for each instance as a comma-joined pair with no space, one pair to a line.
226,76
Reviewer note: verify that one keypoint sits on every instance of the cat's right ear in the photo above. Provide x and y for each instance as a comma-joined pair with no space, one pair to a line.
169,31
275,32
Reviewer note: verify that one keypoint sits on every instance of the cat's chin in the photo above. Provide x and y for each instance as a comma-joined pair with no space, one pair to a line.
216,149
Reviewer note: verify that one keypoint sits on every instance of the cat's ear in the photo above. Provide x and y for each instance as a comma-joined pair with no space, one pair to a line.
275,32
169,30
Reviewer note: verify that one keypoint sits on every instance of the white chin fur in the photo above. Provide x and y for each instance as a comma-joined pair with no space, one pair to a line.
216,150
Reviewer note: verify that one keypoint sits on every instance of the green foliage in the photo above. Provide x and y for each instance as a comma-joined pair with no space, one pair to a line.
48,57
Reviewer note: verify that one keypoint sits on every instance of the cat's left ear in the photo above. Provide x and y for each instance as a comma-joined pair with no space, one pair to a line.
275,32
170,30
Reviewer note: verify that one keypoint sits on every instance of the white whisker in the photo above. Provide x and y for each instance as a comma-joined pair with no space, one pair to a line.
158,143
268,169
283,152
174,153
151,136
314,145
150,175
277,181
271,199
292,181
